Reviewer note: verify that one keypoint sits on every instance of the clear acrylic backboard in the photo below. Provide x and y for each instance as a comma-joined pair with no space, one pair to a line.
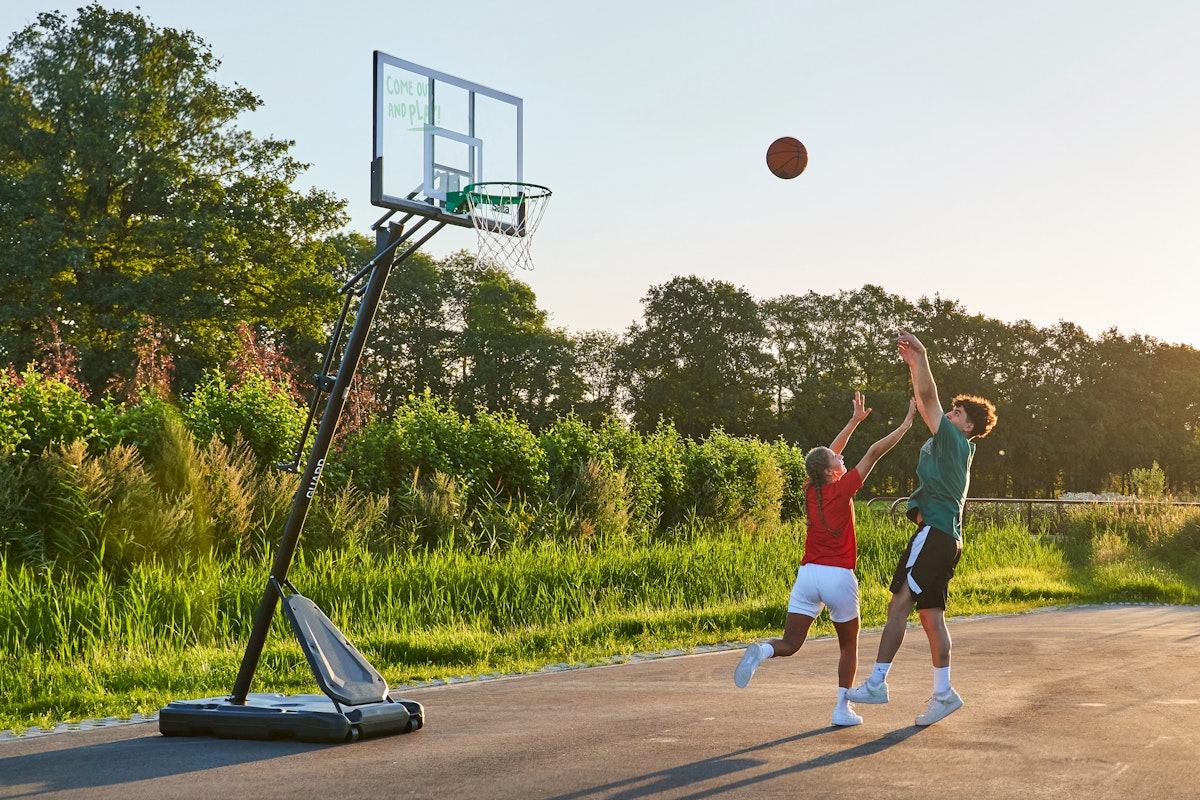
435,134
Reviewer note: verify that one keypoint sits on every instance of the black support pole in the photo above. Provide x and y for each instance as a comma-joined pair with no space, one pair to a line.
379,269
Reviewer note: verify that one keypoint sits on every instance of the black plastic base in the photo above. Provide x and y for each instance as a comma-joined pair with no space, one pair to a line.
304,718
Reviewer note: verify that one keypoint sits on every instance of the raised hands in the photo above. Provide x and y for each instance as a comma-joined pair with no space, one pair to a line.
910,347
860,412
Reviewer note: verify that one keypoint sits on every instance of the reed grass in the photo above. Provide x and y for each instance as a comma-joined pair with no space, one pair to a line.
80,640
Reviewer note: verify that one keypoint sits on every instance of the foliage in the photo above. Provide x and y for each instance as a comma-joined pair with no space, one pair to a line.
698,359
491,457
127,189
513,362
257,411
88,642
733,482
1148,483
391,456
37,412
792,470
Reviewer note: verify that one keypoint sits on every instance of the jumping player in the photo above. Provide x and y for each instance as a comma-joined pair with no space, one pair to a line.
826,575
924,570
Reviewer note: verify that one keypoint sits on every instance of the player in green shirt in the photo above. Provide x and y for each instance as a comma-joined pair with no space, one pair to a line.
927,564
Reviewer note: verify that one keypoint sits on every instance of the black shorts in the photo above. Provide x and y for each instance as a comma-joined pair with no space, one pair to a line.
927,565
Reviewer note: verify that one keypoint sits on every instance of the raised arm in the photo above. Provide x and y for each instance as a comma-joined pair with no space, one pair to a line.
912,352
860,413
877,450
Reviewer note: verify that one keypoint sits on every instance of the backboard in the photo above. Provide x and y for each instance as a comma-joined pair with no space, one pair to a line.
434,134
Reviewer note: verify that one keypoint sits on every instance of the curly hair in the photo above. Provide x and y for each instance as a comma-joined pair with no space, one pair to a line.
979,410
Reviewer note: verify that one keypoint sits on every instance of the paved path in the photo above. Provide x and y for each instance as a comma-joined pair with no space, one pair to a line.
1094,703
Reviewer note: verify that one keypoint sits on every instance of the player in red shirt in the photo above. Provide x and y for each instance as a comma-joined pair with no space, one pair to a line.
826,575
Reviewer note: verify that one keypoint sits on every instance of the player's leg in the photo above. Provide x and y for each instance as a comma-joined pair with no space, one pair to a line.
874,689
795,631
899,609
841,597
847,633
933,621
803,607
932,574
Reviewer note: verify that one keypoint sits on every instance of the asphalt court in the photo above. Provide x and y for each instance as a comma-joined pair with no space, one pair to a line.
1091,702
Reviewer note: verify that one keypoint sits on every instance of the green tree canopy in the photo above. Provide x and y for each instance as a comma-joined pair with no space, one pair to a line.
127,191
699,359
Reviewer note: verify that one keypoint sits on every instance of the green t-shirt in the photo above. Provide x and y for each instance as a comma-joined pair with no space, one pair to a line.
944,472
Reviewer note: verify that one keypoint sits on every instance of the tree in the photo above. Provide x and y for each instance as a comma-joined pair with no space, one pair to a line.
410,349
512,361
596,354
826,347
127,191
698,360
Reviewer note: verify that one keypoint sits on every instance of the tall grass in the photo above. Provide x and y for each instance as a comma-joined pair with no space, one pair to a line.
81,640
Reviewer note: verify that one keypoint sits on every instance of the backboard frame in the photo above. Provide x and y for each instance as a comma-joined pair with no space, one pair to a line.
449,120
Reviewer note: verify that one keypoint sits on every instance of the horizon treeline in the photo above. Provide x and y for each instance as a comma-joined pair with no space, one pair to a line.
148,240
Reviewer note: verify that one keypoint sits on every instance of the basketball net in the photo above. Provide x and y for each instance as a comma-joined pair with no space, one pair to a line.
505,217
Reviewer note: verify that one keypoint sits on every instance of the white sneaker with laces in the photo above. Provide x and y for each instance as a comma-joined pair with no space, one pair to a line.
745,668
844,716
866,693
940,708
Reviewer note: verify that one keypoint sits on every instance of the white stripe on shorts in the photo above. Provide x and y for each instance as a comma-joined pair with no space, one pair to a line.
918,543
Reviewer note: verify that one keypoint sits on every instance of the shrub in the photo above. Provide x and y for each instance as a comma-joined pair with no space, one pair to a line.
422,439
343,518
567,442
790,459
45,514
599,500
504,455
666,458
37,412
494,455
258,410
733,481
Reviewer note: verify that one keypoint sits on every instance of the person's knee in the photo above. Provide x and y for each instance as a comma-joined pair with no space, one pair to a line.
785,647
901,604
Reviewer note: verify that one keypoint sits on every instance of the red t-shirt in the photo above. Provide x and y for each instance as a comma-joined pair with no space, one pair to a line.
821,546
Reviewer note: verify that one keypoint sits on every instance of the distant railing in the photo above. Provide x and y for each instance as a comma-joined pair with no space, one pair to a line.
1030,503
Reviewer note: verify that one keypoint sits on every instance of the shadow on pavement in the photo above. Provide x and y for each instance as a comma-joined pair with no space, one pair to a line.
726,766
115,763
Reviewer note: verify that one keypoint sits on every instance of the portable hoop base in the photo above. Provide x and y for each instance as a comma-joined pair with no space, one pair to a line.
303,718
356,703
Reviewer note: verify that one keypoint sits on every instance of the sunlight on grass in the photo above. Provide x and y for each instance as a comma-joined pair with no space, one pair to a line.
85,643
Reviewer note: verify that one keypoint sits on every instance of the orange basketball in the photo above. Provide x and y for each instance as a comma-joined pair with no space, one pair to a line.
787,157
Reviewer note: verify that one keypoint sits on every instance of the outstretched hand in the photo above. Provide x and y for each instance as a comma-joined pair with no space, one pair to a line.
860,412
910,347
912,411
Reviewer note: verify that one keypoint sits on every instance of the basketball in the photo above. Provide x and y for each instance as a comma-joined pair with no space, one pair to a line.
787,157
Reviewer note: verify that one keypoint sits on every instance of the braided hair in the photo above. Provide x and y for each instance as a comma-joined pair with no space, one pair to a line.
815,464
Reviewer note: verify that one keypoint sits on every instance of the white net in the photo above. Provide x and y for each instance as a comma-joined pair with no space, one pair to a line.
505,216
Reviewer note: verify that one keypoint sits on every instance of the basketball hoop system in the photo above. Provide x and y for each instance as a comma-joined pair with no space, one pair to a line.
505,217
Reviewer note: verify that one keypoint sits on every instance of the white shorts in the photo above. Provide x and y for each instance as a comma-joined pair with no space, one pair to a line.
818,586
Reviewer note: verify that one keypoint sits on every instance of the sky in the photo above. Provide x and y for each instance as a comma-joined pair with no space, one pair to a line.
1034,160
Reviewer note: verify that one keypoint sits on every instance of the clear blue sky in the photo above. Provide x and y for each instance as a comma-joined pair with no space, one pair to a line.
1035,159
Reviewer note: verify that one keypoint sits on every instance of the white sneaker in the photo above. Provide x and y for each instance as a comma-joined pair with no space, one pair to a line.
745,668
844,716
866,693
940,708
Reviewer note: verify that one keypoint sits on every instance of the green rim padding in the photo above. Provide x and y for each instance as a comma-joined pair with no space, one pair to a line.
455,200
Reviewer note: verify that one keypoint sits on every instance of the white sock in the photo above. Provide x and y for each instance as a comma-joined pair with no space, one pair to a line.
941,680
841,697
767,650
879,674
